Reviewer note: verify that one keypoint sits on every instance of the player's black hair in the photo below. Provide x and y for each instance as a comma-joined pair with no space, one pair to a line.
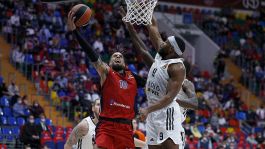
180,43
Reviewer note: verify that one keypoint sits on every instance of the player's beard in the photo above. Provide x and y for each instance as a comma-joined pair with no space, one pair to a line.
163,53
117,67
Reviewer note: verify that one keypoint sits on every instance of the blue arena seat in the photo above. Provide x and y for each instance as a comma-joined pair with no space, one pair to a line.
2,137
1,112
15,131
3,120
20,121
10,138
11,121
6,131
258,129
37,120
60,144
48,122
7,112
201,128
50,144
4,101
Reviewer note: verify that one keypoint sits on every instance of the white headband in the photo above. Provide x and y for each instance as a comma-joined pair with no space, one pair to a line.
173,43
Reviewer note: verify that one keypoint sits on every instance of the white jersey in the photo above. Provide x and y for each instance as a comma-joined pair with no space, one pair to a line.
158,77
166,122
182,95
87,141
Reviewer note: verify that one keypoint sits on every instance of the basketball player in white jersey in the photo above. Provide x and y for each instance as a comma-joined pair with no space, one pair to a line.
83,134
165,79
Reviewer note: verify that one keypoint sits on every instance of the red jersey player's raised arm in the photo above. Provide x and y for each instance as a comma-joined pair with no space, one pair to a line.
101,67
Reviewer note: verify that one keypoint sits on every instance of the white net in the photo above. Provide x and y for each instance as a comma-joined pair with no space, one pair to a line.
139,11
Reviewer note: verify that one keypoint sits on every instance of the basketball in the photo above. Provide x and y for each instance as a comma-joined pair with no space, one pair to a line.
82,14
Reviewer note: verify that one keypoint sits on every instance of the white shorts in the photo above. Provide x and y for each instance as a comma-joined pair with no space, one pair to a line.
165,123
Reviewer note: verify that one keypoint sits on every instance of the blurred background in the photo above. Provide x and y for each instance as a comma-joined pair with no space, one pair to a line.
46,79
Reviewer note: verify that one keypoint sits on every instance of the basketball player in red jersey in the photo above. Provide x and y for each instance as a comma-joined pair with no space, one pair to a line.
119,88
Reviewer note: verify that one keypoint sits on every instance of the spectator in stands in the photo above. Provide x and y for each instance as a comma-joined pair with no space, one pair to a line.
221,120
260,138
261,113
98,45
36,109
19,109
31,133
13,89
214,121
231,141
205,142
252,140
43,122
251,117
195,131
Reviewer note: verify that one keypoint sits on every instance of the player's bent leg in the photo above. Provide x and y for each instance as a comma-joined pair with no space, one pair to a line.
169,144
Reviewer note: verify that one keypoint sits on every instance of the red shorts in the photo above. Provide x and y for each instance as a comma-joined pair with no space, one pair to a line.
113,135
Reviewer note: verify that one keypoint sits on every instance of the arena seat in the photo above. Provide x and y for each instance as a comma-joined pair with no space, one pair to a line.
6,131
59,144
241,116
10,138
48,122
258,129
59,130
50,144
69,129
3,120
20,121
4,101
2,146
2,137
16,130
7,111
1,112
37,120
11,121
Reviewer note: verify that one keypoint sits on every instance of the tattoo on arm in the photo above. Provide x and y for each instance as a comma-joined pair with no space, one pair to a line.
78,132
74,136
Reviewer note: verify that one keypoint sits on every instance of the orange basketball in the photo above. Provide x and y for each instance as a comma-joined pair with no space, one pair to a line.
82,14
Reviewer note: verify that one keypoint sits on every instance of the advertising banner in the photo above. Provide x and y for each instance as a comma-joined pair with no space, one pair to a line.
237,4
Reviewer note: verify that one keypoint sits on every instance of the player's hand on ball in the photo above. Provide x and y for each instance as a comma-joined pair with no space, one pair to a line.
143,114
70,21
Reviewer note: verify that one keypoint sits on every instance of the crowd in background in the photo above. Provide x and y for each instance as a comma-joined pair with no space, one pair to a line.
240,36
61,69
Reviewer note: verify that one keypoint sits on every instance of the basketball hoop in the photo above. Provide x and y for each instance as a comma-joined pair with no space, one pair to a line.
140,11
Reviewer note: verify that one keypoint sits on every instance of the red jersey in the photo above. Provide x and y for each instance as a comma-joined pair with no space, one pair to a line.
118,96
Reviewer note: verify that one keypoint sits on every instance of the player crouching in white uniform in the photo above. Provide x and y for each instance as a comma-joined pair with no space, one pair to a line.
83,135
